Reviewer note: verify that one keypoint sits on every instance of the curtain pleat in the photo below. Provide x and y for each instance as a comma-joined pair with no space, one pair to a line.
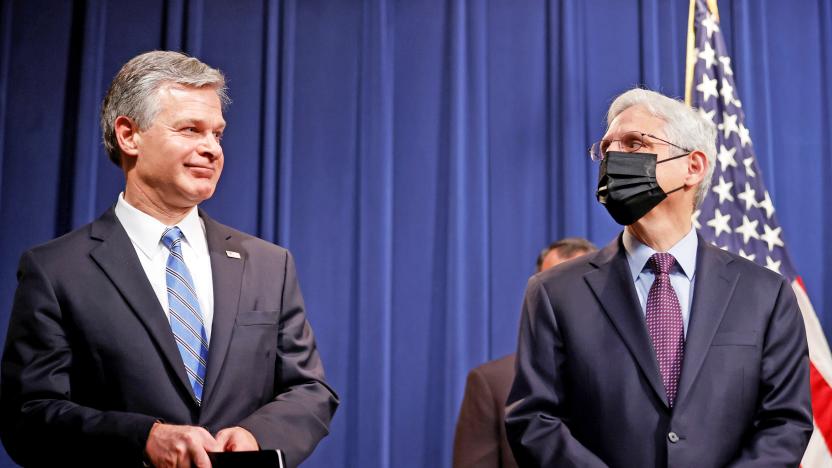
825,217
270,127
5,59
87,133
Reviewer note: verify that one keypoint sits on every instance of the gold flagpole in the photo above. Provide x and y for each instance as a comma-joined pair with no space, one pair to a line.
690,60
713,8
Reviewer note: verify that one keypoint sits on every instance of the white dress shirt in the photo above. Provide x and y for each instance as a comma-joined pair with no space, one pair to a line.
682,275
145,233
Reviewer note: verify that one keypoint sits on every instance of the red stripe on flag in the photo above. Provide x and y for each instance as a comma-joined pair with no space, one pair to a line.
821,403
799,280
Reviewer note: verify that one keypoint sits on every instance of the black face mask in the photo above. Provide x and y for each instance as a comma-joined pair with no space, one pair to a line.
627,185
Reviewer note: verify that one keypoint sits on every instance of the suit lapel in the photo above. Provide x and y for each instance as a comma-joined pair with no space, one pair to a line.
227,273
712,291
117,257
613,286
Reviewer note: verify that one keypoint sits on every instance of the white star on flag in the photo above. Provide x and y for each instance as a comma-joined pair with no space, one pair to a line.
748,197
766,205
695,219
707,87
771,237
710,25
707,54
726,157
727,92
720,223
745,135
729,124
726,65
748,229
747,256
773,265
748,162
723,189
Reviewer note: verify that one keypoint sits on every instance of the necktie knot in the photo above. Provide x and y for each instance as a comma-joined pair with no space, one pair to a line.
661,263
172,237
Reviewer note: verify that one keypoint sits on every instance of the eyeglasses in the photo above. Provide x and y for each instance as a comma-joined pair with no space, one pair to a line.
630,142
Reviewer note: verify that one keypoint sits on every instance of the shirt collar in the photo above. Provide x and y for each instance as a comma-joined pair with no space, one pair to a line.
684,251
146,231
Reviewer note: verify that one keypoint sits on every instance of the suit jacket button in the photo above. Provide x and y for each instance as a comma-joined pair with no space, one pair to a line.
673,437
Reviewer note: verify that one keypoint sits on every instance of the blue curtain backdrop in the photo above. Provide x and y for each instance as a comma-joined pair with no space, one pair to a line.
414,155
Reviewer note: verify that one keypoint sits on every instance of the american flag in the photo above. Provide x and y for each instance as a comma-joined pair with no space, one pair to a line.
738,214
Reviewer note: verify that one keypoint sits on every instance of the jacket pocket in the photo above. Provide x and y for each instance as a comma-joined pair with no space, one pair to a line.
257,317
735,338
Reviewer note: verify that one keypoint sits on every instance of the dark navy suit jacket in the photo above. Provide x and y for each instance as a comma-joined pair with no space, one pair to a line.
90,361
588,390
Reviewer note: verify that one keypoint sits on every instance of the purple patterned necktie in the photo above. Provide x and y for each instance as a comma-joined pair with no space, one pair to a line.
664,323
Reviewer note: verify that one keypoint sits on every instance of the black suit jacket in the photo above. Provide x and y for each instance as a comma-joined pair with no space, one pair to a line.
480,440
90,361
588,390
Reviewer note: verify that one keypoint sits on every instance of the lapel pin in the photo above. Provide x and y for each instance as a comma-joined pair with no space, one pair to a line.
232,254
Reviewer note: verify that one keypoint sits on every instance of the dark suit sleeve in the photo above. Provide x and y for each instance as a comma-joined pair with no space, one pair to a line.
783,423
38,417
537,431
477,437
299,415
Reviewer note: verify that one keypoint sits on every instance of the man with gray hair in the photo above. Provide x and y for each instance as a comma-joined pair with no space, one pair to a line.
156,334
660,349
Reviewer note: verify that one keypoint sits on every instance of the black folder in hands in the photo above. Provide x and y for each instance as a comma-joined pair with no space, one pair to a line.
249,459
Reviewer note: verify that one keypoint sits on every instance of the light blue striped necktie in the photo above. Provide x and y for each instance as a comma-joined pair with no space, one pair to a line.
185,316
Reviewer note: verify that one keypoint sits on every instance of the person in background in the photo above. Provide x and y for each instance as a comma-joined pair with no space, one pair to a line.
156,334
480,438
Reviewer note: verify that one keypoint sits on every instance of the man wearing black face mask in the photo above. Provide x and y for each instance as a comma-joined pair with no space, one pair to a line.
660,349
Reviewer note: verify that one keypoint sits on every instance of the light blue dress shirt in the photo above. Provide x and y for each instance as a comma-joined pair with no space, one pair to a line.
682,276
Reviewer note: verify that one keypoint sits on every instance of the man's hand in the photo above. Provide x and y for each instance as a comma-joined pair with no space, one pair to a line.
236,439
169,445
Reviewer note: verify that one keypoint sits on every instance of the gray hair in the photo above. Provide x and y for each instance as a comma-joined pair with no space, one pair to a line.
134,91
684,126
